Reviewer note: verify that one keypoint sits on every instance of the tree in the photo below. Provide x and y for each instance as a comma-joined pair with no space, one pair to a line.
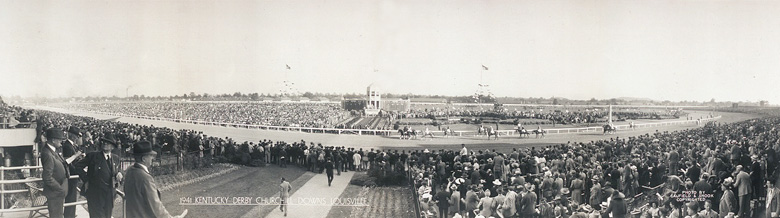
308,95
555,101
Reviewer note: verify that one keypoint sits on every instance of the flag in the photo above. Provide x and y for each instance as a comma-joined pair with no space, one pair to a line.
288,66
484,67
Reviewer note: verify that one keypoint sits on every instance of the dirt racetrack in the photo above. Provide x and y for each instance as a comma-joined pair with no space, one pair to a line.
386,142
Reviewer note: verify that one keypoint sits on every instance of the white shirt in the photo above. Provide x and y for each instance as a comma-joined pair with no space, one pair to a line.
144,167
54,149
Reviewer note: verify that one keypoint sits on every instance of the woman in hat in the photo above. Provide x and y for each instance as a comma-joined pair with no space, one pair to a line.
728,203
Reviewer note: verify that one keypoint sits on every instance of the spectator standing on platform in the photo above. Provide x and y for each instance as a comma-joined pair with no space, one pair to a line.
55,172
101,179
142,195
71,149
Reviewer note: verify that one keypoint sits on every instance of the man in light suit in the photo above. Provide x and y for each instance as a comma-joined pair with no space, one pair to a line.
744,189
101,178
142,196
55,172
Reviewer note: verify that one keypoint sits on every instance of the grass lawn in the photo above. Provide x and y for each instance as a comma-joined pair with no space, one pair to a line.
382,202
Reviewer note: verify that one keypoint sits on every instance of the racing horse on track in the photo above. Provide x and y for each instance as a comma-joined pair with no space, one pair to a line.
539,131
491,132
407,133
609,129
523,131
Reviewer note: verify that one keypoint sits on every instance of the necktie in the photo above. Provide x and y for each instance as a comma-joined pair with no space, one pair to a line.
110,164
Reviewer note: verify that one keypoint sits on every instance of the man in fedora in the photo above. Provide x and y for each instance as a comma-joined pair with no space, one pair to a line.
142,198
101,178
71,150
55,172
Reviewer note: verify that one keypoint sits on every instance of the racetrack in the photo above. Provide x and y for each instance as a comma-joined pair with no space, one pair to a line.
386,142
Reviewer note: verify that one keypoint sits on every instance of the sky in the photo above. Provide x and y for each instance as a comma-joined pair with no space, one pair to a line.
579,49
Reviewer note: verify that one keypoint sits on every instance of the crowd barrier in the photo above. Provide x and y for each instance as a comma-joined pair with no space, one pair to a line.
4,191
459,133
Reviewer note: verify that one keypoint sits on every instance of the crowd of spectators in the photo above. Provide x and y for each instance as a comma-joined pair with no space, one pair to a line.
720,170
319,115
14,116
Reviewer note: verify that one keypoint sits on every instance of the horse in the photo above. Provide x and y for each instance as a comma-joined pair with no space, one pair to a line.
539,131
522,132
609,129
492,132
403,134
412,134
427,133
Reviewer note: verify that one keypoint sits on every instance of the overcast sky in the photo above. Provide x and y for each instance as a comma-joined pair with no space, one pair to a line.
664,50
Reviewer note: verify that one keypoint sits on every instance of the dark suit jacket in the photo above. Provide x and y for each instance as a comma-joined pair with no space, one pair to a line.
68,150
55,173
528,203
141,195
99,177
618,208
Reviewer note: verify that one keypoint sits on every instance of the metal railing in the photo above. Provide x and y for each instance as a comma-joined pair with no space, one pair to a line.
4,182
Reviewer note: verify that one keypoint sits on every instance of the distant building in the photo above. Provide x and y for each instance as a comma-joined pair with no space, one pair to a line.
373,103
734,105
763,103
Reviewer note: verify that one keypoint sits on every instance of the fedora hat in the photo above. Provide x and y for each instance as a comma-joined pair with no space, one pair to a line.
109,138
74,130
55,133
143,148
